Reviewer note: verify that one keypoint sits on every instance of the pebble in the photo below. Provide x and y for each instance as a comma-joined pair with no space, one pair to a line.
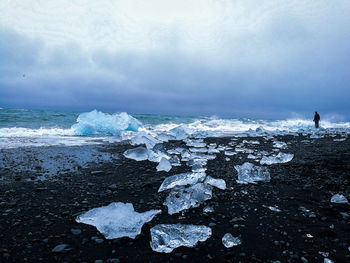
76,231
62,248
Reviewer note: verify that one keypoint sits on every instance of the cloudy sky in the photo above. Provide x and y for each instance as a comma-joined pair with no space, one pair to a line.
242,58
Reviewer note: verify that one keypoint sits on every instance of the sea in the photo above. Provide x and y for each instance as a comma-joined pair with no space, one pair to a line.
31,128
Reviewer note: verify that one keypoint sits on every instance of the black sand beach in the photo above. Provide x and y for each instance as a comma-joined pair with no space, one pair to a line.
37,215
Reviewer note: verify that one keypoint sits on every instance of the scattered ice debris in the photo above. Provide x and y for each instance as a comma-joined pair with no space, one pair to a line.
219,183
279,158
96,122
229,153
167,237
251,142
244,150
117,220
315,136
229,241
137,154
144,138
280,145
339,199
181,180
307,212
164,165
250,173
324,254
208,209
272,208
182,198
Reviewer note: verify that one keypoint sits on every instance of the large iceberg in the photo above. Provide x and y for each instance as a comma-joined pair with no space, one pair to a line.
117,220
167,237
250,173
279,158
181,179
96,122
182,198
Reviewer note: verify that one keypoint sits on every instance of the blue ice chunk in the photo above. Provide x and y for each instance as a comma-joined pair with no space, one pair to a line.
97,122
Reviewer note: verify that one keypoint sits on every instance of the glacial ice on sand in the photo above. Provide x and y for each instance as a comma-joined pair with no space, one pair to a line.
182,198
117,220
280,145
250,173
164,165
167,237
180,180
144,138
339,198
137,154
180,132
279,158
96,122
219,183
229,241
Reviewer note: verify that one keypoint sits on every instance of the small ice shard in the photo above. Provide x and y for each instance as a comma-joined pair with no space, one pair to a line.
175,161
251,142
250,173
219,183
156,155
182,198
227,159
327,260
167,237
229,153
339,199
279,158
117,220
196,143
137,154
181,179
280,145
273,208
144,138
251,156
212,150
229,241
199,150
164,165
208,209
339,140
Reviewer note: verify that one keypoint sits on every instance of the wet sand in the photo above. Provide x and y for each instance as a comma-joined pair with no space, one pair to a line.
36,215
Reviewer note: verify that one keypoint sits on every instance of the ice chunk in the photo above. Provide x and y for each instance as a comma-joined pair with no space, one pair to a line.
339,198
327,260
157,153
272,208
250,173
181,179
208,209
117,220
229,153
196,143
137,154
180,132
251,142
144,138
279,158
280,145
165,238
96,122
229,241
181,198
219,183
199,150
339,140
175,161
251,156
164,165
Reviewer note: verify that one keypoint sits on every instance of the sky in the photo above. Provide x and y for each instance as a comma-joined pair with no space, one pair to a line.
244,58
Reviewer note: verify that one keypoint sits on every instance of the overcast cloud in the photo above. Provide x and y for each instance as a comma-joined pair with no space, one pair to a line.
263,59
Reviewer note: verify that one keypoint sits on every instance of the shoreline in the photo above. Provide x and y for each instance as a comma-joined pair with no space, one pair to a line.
39,215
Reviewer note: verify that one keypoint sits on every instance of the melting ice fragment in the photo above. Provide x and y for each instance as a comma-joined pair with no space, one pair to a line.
96,122
144,138
181,198
117,220
250,173
339,198
164,165
219,183
229,241
280,145
279,158
137,154
167,237
180,180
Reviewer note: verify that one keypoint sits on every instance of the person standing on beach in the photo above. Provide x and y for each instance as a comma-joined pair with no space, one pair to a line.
316,119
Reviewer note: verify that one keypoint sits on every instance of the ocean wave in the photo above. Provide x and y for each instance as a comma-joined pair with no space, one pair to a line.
97,122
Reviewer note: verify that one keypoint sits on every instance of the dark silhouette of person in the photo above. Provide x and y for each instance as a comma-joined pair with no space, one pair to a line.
316,119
